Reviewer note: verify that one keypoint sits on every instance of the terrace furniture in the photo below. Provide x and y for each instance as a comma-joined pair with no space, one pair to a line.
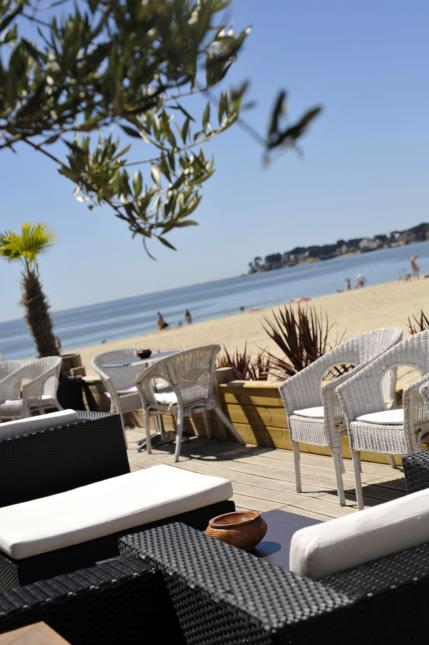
118,370
190,375
31,387
312,405
82,467
7,367
122,601
372,427
221,594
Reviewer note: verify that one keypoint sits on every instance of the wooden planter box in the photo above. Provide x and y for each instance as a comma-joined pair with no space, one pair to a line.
256,409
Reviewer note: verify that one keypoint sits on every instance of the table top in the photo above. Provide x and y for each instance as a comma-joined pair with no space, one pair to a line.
274,548
144,362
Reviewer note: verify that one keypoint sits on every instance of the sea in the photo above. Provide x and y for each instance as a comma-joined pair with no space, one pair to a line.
107,321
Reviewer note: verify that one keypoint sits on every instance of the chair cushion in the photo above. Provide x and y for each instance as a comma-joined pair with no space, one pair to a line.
316,412
129,390
165,398
41,421
346,542
105,507
384,417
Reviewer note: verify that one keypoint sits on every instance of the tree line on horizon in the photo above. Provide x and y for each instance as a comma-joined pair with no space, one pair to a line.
299,254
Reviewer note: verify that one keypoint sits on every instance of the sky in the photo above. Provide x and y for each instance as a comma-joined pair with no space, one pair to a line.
364,169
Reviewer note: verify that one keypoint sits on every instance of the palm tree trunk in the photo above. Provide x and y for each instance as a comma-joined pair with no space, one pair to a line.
37,314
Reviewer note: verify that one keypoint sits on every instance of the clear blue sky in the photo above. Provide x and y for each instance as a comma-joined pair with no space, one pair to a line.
365,168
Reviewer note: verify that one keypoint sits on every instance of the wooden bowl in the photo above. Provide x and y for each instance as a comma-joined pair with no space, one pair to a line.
243,530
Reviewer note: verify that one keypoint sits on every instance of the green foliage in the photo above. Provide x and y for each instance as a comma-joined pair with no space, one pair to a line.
27,245
245,366
100,71
301,334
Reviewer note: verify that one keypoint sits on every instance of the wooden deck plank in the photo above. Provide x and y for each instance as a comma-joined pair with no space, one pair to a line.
263,479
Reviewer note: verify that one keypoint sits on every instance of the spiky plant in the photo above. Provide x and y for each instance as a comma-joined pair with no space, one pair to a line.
245,366
417,323
26,247
301,334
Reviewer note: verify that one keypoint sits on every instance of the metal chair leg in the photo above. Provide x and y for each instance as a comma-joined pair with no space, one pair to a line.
297,466
338,462
358,480
228,424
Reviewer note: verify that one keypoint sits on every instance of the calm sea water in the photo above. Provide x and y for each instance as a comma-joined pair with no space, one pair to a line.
132,316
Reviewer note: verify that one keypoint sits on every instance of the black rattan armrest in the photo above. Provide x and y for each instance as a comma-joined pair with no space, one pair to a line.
416,471
120,601
46,461
224,595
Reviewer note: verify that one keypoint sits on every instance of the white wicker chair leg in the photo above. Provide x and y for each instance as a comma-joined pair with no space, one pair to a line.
146,418
228,424
207,425
392,461
358,480
296,461
179,432
338,463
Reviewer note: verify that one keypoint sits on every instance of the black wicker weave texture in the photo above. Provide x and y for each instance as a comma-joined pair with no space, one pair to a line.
49,461
223,595
416,471
121,601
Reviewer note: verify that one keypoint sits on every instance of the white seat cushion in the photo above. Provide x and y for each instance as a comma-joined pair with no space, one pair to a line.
384,417
41,421
129,390
316,412
346,542
165,398
105,507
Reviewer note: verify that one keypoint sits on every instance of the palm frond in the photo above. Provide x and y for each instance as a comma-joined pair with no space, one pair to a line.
26,246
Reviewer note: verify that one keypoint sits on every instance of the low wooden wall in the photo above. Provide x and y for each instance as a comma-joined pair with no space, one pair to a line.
256,409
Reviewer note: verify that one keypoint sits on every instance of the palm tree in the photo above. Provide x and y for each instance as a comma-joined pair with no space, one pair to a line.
25,247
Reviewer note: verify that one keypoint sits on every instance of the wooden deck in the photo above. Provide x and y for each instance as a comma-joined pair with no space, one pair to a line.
263,478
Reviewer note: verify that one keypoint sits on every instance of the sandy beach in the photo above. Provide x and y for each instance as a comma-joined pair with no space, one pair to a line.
350,312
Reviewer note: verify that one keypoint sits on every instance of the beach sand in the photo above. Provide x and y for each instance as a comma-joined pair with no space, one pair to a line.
350,313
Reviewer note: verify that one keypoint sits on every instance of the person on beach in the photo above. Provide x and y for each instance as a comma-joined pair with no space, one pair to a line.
188,316
360,281
161,321
415,269
348,283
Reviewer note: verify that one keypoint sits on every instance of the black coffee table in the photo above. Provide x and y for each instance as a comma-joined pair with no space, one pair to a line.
281,526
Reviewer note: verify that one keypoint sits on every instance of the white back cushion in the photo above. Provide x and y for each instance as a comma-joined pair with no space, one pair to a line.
346,542
105,507
41,421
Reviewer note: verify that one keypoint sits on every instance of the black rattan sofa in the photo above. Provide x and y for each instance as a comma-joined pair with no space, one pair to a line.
56,459
223,595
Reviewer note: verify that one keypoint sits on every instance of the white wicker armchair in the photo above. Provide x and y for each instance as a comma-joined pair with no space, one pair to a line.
370,425
7,367
312,406
33,386
190,375
118,369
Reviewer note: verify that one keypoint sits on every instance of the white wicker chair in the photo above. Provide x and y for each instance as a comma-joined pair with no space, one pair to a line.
372,427
191,376
312,407
33,386
7,367
119,380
